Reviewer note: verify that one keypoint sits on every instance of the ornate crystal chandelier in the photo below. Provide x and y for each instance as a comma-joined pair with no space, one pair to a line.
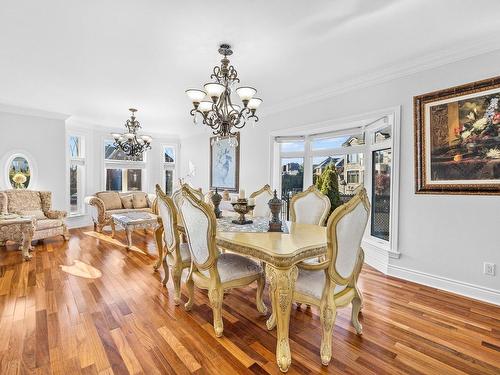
214,104
131,143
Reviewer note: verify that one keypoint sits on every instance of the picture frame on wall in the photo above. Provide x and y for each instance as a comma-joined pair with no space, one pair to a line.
224,164
457,139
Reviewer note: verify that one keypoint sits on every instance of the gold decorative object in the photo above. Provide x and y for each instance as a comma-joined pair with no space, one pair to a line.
242,207
216,199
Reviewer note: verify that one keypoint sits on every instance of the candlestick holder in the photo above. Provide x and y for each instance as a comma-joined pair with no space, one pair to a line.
242,207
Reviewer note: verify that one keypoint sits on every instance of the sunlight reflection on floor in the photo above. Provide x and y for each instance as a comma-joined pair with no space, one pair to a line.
113,241
82,269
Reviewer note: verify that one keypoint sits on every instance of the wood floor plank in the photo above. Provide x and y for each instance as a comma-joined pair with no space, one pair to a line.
125,322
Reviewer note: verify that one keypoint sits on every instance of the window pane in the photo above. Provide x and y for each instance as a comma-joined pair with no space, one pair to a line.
74,146
114,179
73,189
169,155
134,179
383,134
113,153
169,181
350,169
337,142
295,146
381,194
292,175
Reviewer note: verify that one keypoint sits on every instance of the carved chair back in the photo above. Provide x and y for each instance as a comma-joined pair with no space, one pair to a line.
345,229
168,214
262,197
310,207
200,225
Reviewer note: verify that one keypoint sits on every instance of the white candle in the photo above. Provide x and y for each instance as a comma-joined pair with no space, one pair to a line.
242,194
234,199
251,201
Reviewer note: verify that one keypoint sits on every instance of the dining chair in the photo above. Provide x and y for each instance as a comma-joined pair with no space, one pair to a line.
262,198
310,207
210,269
177,254
333,283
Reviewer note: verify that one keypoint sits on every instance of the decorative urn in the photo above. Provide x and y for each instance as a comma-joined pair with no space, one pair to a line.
275,204
216,198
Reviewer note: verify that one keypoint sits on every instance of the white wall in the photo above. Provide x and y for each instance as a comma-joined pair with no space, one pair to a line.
41,137
444,240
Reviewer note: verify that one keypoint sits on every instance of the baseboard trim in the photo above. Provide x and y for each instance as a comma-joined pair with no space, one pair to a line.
450,285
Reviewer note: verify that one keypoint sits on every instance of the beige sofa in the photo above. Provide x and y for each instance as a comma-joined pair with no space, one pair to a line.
106,203
37,204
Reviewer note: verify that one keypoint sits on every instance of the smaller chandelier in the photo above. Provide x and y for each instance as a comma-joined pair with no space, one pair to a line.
214,104
131,143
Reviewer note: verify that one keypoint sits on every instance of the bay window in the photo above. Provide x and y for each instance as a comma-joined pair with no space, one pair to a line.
362,155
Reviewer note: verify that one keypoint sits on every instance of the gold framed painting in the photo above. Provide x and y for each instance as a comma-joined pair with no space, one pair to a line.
457,139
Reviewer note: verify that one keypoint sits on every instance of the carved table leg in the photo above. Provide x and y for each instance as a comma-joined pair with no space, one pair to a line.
282,285
159,246
128,230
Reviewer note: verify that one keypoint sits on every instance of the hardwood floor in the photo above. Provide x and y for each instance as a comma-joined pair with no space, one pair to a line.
118,319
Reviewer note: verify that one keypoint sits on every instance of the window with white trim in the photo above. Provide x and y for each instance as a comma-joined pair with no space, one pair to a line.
169,161
121,173
361,156
76,174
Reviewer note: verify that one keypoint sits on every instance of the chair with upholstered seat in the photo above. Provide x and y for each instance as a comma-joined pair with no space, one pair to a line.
262,197
332,284
210,269
309,207
177,255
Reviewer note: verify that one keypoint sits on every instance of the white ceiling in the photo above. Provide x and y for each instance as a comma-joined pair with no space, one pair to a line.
94,59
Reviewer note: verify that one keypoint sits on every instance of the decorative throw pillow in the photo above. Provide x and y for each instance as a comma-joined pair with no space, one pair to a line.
37,214
111,200
127,201
139,200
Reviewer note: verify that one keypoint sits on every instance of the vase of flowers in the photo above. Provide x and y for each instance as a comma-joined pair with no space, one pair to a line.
19,179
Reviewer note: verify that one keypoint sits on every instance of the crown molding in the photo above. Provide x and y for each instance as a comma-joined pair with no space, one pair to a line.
395,71
25,111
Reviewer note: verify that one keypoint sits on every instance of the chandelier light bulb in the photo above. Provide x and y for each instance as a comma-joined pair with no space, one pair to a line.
254,103
214,90
246,93
205,106
195,95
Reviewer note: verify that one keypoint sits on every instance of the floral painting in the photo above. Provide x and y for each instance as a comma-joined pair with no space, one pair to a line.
458,139
224,163
19,173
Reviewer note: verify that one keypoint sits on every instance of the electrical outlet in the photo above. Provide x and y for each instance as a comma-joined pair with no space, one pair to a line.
489,268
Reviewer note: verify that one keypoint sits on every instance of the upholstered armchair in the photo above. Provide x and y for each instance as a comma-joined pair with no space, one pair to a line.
262,197
106,203
332,283
177,254
310,207
210,269
37,204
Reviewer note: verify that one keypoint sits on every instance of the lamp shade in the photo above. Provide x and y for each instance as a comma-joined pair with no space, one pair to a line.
254,103
116,136
205,106
195,95
129,135
246,93
214,89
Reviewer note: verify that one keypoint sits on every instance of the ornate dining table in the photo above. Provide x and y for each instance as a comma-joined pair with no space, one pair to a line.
281,252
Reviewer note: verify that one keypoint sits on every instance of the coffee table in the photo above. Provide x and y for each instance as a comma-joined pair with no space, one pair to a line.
18,229
131,221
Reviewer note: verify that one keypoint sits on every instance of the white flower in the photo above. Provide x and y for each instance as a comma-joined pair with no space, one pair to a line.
493,153
466,134
480,124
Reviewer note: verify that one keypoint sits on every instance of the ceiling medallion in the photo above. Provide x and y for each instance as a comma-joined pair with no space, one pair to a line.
214,104
131,143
